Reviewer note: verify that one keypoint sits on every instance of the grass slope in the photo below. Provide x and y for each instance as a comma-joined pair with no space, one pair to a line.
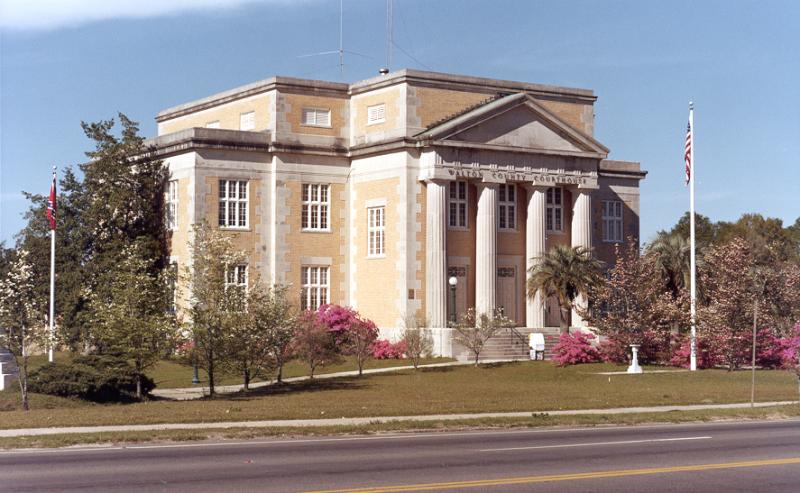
524,386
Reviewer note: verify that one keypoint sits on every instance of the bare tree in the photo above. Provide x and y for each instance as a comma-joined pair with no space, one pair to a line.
417,338
473,331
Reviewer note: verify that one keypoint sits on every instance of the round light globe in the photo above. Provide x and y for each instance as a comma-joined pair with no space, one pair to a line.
452,281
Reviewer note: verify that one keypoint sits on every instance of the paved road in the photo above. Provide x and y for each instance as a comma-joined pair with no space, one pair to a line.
729,457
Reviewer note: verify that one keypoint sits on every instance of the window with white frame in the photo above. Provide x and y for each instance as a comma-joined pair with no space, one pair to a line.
376,231
214,124
457,204
316,205
247,121
233,203
555,210
612,221
317,117
507,207
315,284
376,114
172,205
236,277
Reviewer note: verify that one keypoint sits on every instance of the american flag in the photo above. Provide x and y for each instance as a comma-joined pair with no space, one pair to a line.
687,157
51,204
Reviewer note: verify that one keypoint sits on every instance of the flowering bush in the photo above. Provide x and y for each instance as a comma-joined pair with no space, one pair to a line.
575,348
777,352
706,358
612,351
353,335
383,349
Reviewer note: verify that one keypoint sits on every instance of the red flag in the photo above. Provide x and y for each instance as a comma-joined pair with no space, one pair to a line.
51,204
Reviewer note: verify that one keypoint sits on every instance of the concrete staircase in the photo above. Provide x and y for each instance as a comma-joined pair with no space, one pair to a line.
513,344
8,368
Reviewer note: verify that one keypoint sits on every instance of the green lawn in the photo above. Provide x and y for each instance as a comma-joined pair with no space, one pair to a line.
524,386
169,374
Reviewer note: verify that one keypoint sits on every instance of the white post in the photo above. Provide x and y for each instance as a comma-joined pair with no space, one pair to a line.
51,317
534,248
692,282
436,254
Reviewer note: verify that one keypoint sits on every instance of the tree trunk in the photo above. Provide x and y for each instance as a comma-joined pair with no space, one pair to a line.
211,376
564,319
477,355
138,385
279,376
360,365
246,375
23,382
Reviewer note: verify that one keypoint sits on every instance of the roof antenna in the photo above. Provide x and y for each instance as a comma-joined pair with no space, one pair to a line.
389,32
341,51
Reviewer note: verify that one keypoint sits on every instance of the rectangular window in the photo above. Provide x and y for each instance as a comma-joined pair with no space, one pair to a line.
233,203
214,124
612,221
315,285
317,117
507,207
316,206
247,121
457,204
376,114
376,231
172,206
554,216
236,277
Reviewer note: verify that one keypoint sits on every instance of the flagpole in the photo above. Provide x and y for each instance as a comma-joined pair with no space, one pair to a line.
51,318
692,266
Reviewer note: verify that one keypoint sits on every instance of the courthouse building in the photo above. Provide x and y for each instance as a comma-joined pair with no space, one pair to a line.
375,194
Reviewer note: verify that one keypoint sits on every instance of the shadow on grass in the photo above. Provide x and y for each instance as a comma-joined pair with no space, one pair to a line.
306,386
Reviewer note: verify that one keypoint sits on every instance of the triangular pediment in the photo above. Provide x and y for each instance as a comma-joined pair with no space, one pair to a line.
514,122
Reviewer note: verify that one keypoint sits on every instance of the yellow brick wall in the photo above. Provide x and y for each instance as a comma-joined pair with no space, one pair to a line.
436,104
227,115
360,105
295,116
573,114
376,290
315,243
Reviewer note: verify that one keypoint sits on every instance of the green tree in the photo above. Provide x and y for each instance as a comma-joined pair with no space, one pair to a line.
474,330
22,317
214,310
258,344
564,272
670,255
123,203
132,314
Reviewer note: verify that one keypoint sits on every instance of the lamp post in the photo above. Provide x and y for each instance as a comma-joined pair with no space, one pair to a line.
452,282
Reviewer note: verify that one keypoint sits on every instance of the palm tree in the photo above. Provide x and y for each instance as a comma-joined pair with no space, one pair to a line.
564,272
670,254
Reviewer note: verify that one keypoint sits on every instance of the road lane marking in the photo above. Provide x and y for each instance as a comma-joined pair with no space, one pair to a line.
593,444
563,477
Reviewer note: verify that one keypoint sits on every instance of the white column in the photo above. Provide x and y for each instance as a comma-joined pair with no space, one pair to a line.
436,254
534,248
486,250
581,236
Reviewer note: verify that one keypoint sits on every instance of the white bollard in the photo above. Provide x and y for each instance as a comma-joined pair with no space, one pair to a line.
635,368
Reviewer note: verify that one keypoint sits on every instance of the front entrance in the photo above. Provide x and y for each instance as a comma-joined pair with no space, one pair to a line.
507,292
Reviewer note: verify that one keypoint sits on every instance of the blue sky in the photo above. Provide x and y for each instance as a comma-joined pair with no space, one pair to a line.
66,61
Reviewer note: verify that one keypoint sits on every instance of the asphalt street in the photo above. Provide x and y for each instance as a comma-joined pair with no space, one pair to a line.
729,457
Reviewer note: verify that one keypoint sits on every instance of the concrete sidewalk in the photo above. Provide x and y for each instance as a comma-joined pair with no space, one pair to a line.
304,423
189,393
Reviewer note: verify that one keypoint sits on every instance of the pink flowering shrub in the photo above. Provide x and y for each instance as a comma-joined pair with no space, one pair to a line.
706,357
575,348
777,352
383,349
611,351
337,318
